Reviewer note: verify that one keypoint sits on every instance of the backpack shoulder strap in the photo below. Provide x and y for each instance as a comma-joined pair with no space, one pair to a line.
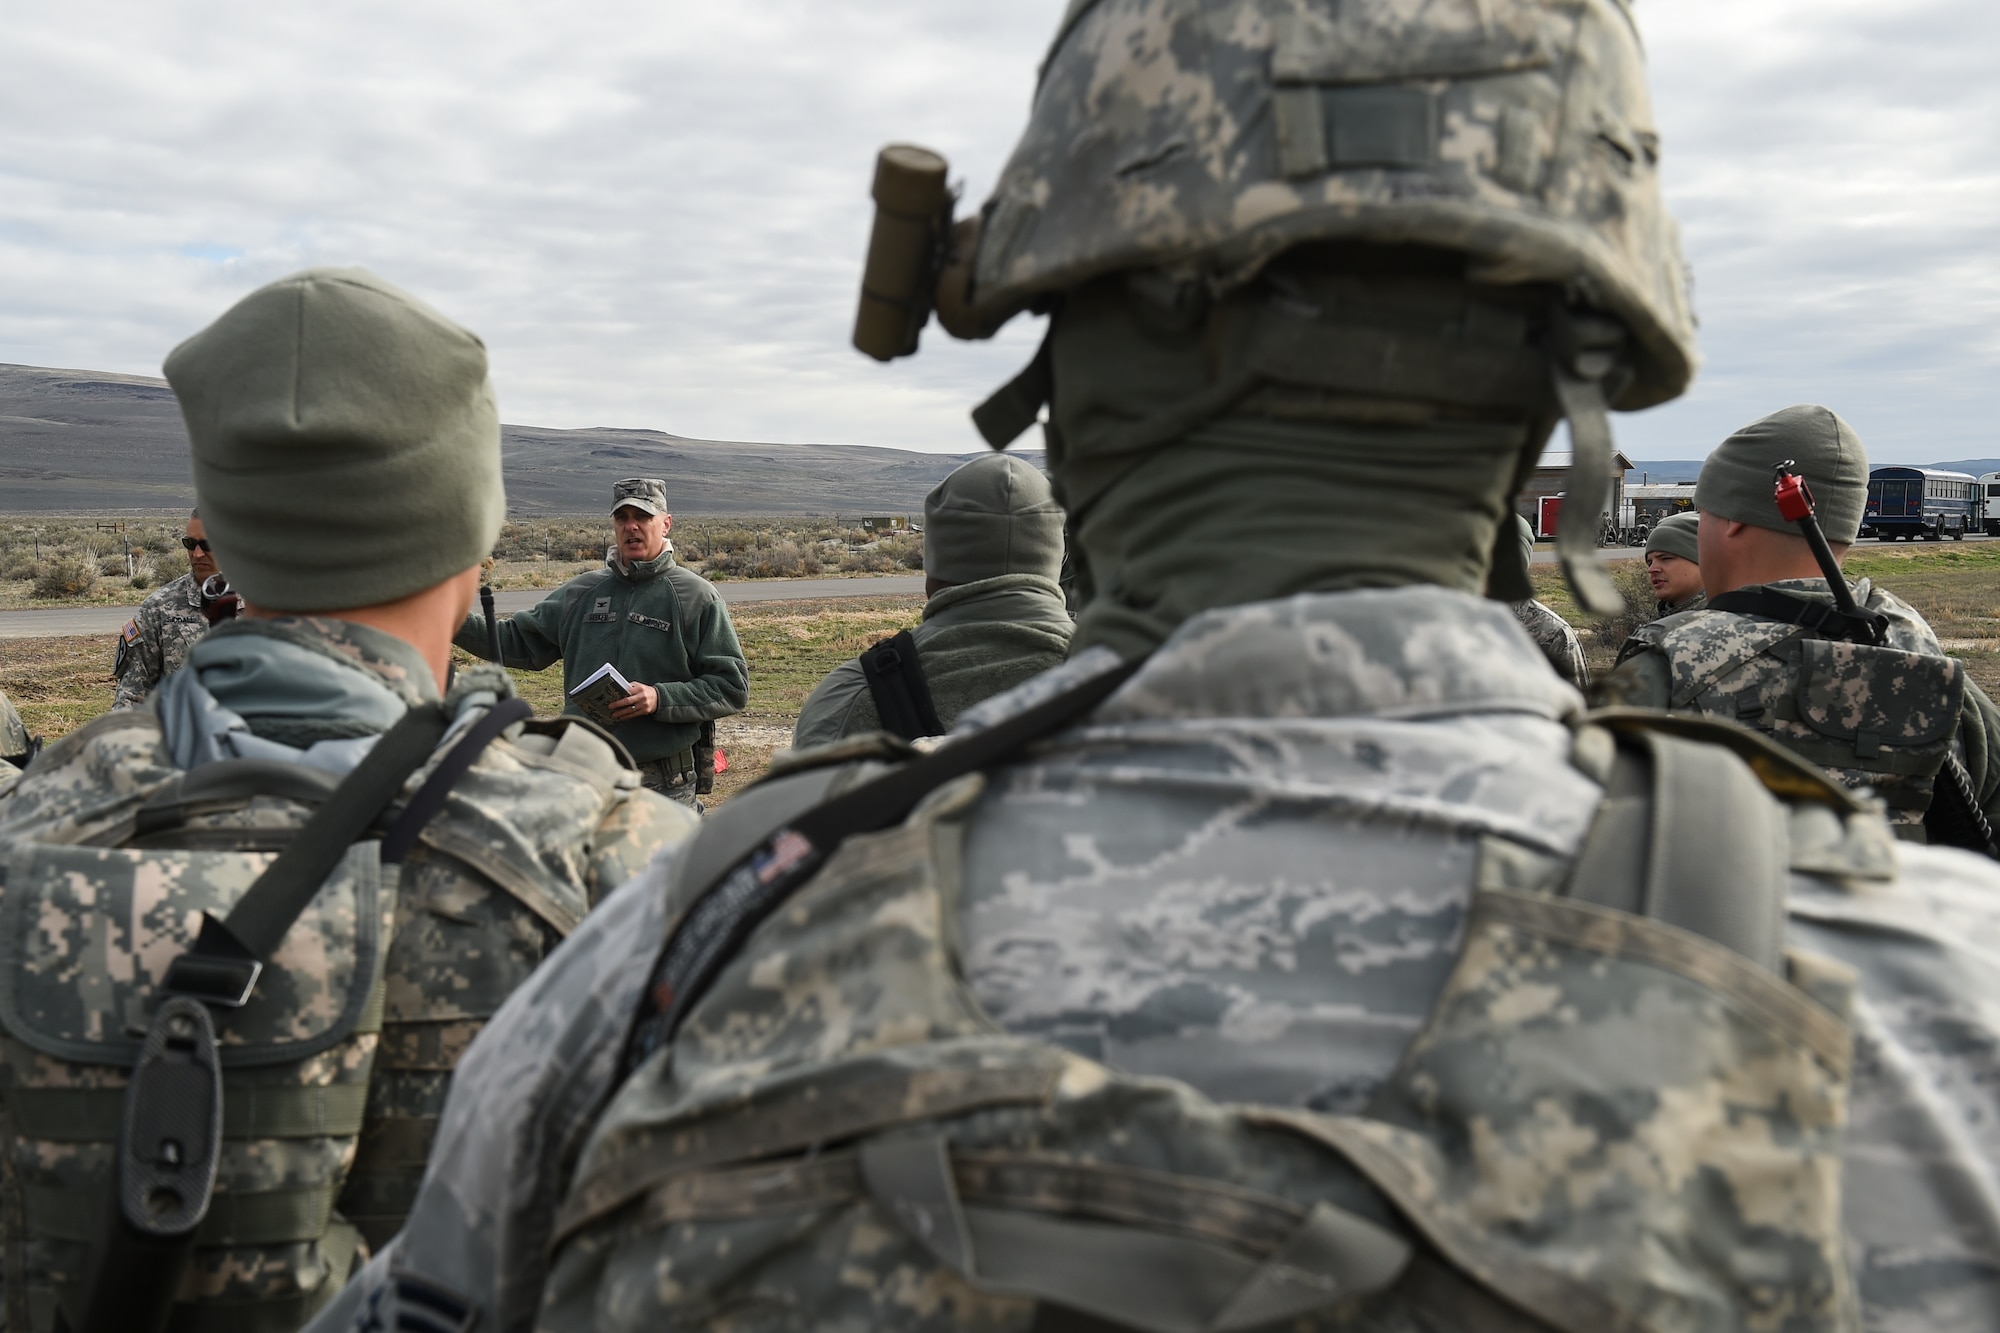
736,897
1690,831
902,696
1687,835
1820,617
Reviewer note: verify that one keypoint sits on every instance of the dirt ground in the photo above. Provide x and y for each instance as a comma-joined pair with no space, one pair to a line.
59,684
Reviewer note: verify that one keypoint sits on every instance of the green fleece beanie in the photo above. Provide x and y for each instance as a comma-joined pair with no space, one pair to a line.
1524,531
1675,535
345,441
996,515
1737,483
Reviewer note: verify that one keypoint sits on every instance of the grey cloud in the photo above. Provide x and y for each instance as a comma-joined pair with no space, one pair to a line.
655,212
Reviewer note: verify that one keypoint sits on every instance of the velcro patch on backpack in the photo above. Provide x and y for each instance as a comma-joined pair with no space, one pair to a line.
1889,710
90,931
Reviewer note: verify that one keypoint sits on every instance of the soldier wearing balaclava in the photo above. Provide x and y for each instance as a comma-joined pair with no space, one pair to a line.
1298,954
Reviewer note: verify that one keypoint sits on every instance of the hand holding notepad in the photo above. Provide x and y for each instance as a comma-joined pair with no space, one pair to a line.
603,688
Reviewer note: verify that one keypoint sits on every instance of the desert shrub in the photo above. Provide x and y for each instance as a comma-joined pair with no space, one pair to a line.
111,566
783,547
66,576
777,560
1640,605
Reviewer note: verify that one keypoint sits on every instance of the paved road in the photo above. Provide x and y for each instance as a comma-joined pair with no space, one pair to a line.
1545,554
107,620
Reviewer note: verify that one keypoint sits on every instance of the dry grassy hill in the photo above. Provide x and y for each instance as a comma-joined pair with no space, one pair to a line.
73,441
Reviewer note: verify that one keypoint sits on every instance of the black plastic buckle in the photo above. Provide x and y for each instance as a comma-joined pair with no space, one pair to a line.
218,970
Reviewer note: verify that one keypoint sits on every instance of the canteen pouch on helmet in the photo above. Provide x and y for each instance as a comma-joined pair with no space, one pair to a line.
906,248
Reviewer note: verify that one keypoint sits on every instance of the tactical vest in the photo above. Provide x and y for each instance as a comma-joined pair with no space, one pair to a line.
86,934
1875,717
1623,1112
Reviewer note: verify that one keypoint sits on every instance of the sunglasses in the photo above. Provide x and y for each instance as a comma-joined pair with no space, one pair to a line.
196,544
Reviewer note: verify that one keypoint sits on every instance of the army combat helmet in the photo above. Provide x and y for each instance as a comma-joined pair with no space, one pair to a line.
1203,140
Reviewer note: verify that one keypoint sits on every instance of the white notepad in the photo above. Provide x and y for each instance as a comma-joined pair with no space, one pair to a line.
604,687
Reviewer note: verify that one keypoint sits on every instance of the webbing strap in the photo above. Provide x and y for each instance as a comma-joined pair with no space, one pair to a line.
1587,488
1149,1276
424,806
94,1115
266,1217
1015,405
229,953
895,676
1822,618
280,1314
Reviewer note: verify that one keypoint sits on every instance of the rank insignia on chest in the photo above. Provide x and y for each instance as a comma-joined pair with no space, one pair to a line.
600,610
651,622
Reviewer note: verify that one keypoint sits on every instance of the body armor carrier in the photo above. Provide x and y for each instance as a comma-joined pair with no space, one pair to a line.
821,1123
1879,716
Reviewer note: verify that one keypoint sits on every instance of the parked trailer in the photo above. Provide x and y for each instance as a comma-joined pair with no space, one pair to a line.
1989,495
1910,502
1548,515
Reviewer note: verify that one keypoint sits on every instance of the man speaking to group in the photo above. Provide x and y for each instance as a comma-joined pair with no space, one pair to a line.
663,627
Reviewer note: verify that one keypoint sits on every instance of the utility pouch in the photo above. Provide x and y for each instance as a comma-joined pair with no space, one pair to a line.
1882,712
704,760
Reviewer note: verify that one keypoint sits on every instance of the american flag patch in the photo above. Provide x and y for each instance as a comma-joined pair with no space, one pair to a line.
786,850
131,631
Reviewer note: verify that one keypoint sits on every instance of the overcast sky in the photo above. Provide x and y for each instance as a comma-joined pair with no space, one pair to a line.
654,211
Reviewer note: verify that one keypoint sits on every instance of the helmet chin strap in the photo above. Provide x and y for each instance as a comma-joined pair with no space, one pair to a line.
1587,356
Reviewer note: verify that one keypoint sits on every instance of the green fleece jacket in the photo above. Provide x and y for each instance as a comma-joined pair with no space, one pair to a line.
976,640
659,624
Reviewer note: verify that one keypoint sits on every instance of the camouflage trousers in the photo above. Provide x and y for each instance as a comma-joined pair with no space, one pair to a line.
673,777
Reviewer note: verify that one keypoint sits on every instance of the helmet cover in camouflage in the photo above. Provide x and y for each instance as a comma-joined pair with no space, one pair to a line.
1206,139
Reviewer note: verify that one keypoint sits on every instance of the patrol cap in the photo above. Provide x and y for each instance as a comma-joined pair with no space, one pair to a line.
344,439
1675,535
647,493
996,515
1737,482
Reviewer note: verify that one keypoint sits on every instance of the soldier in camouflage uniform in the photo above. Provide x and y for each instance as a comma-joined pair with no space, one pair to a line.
16,747
131,827
1882,718
1552,634
1673,564
155,641
663,626
993,545
1256,999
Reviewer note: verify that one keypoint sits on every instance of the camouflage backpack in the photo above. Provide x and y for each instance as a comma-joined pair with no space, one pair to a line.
105,933
1882,717
1624,1111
